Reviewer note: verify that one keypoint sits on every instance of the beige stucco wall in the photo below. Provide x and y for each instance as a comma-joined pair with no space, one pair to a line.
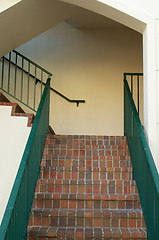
87,64
141,16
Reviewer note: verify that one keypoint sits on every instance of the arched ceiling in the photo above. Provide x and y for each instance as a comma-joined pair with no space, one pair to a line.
88,19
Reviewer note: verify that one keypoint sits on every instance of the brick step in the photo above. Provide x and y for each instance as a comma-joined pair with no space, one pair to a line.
48,155
88,140
86,146
85,169
86,201
17,111
83,157
96,175
87,182
87,163
93,154
87,186
47,233
87,218
15,107
87,137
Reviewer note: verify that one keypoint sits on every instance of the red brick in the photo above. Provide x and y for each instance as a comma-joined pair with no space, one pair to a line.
72,204
97,222
64,203
37,221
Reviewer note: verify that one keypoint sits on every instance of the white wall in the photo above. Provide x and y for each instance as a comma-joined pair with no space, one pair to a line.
87,64
148,7
14,135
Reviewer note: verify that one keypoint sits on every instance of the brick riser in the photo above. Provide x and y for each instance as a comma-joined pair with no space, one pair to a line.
86,191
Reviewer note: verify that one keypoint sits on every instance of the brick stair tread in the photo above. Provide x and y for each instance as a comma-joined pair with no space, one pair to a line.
116,213
76,158
94,156
87,163
54,162
93,137
96,218
102,158
87,196
85,158
19,112
75,175
88,147
88,186
87,182
86,169
87,233
18,109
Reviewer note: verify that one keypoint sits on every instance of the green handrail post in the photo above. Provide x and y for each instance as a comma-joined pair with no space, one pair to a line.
31,62
16,217
9,71
146,174
28,83
22,79
2,73
15,78
41,81
34,89
132,85
138,91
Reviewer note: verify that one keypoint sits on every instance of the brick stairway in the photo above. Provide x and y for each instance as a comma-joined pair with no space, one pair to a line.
86,191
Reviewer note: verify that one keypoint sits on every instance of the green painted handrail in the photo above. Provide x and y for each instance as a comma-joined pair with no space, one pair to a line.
144,168
39,80
31,62
131,76
16,217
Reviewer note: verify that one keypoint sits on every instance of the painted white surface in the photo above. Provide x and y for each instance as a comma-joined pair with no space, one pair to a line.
157,41
148,7
150,87
87,64
157,90
14,135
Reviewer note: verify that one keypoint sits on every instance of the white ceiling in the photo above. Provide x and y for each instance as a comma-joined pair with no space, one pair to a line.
87,19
